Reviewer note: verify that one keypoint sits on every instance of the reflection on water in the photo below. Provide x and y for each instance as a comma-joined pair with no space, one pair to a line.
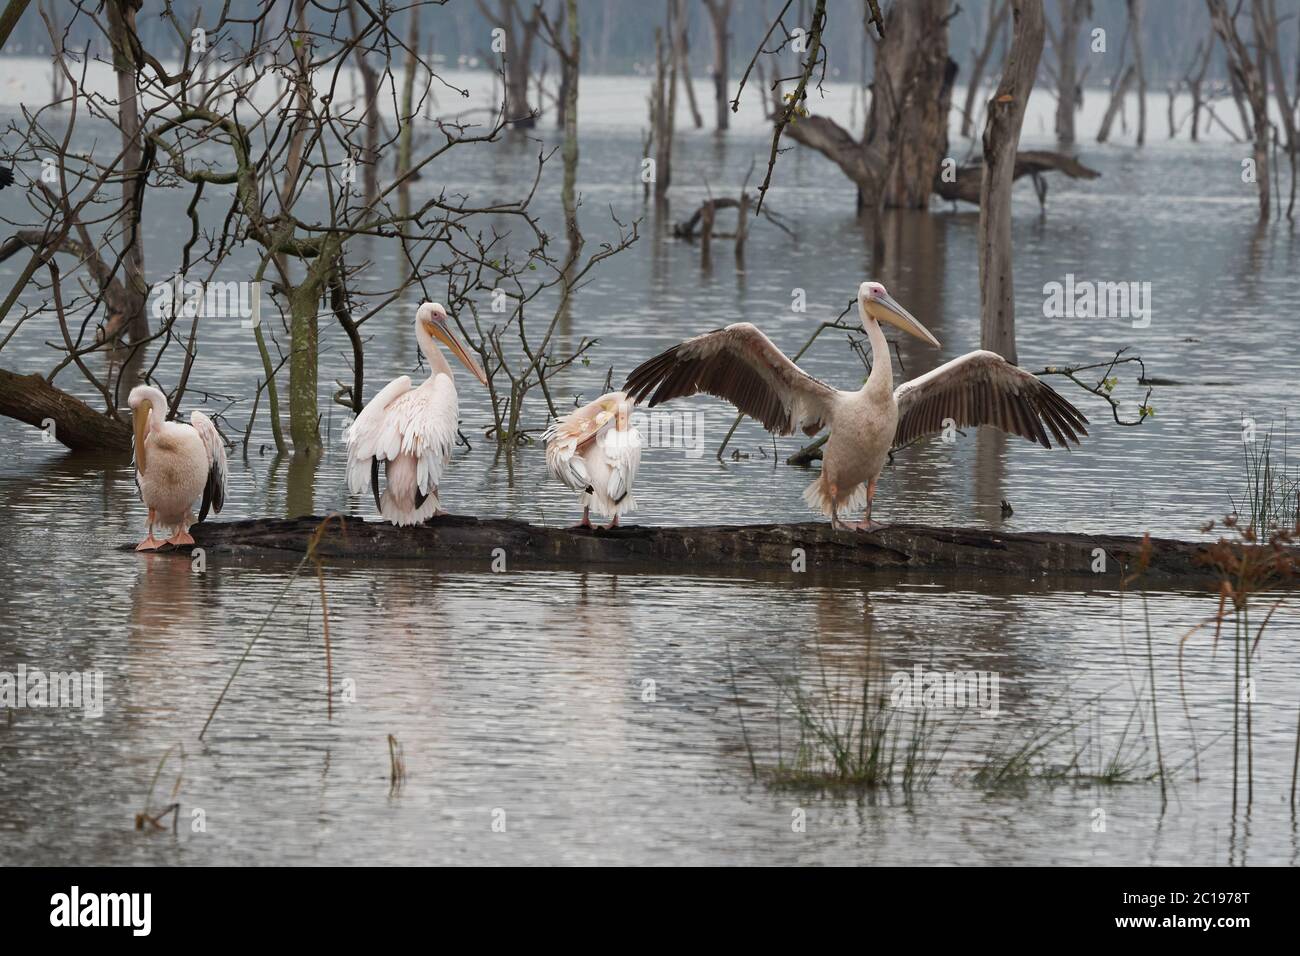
598,710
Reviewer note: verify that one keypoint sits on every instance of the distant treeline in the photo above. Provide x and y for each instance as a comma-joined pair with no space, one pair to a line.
618,35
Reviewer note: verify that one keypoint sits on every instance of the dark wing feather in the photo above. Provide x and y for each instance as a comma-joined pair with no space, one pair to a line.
983,388
374,481
214,495
742,365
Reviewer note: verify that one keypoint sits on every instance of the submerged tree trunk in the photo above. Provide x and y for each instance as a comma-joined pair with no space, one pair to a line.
1073,13
370,91
997,15
121,28
911,99
407,119
571,60
719,17
1246,74
1195,78
1006,115
518,32
1116,103
681,57
304,331
1135,31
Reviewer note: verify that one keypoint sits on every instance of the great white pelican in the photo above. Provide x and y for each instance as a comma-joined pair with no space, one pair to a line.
411,429
740,363
595,450
175,465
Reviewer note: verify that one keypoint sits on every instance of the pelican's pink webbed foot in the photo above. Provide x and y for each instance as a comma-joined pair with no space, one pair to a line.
613,524
150,543
180,538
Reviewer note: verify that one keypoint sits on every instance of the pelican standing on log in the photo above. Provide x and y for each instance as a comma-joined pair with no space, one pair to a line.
595,450
740,363
411,430
175,465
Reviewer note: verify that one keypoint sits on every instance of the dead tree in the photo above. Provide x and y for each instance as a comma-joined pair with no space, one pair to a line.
1119,90
911,98
1266,11
518,32
121,31
569,51
1135,30
1005,116
1068,82
663,113
370,110
719,18
1194,78
997,15
682,57
1245,72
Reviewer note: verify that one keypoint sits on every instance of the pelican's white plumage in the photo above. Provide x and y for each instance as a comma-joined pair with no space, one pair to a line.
742,365
176,464
595,450
412,429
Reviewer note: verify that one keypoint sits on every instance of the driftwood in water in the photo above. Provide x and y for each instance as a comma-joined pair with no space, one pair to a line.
69,420
469,543
1029,162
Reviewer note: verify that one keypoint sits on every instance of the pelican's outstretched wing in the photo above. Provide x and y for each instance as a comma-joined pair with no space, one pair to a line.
214,492
983,388
738,363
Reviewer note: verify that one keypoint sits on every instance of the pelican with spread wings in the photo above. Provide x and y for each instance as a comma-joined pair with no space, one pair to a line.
411,429
595,450
740,363
175,465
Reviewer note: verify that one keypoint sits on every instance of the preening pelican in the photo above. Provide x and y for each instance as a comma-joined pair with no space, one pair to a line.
412,430
595,450
739,363
175,465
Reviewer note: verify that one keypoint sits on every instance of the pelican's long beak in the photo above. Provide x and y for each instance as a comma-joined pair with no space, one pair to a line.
883,308
447,338
140,419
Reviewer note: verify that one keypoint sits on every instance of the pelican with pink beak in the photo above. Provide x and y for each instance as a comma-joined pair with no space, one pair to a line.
411,429
742,365
175,465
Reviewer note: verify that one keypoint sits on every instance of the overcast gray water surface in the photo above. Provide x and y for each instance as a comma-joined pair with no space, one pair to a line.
584,716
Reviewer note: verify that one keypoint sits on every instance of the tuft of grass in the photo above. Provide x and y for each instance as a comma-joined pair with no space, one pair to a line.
153,817
1271,499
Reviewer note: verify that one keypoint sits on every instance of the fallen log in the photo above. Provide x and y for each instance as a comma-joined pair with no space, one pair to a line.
1029,162
65,418
470,542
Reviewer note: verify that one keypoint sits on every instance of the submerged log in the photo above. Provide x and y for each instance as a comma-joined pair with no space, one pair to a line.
1029,162
470,542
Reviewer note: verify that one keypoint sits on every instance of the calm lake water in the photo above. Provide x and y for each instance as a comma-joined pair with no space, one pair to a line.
597,717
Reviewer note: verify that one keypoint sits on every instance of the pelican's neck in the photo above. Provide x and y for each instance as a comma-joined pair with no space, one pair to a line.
437,361
158,408
882,372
